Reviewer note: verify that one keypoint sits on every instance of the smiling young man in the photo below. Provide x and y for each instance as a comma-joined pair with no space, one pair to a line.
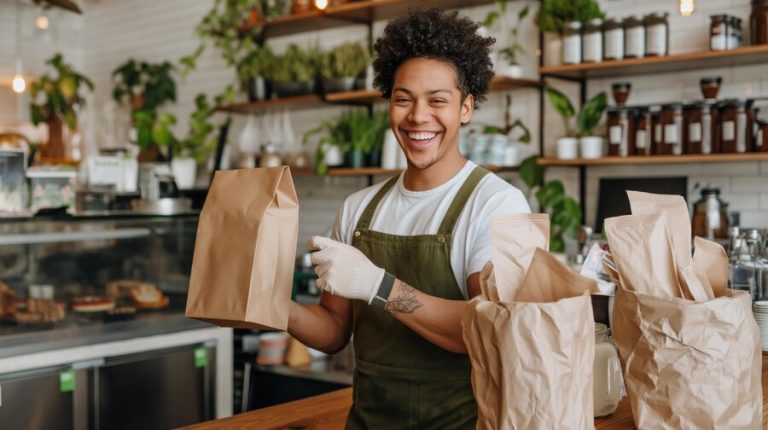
405,255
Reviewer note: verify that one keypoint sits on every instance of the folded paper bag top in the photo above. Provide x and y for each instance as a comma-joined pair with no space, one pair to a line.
676,210
513,239
242,269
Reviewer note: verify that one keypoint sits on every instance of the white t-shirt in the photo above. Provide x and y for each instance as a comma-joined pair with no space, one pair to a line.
409,213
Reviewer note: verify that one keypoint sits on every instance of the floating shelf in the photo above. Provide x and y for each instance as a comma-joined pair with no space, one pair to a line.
361,12
757,54
372,171
656,159
357,97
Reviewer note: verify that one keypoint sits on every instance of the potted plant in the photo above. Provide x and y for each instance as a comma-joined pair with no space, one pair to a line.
293,73
507,63
564,211
586,121
55,100
253,71
146,87
552,18
341,66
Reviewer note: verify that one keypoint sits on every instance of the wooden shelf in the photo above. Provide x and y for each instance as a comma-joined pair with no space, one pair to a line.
371,171
306,101
656,159
757,54
361,12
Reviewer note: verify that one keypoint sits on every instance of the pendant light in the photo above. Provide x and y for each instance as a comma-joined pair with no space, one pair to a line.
687,7
18,84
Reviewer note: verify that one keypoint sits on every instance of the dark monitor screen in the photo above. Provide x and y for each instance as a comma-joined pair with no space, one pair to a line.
612,196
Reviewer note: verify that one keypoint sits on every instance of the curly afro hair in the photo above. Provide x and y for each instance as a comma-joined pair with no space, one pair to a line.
438,35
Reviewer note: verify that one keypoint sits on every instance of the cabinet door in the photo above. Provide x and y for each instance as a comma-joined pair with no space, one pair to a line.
155,390
51,398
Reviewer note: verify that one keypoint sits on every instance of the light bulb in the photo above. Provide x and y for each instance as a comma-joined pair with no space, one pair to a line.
19,84
321,4
42,22
687,7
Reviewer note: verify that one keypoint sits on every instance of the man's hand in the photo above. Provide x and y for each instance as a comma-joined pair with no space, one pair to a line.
343,270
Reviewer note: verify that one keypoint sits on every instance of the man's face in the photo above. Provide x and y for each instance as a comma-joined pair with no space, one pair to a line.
426,111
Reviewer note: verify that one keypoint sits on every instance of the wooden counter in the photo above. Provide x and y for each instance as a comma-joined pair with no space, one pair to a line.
329,411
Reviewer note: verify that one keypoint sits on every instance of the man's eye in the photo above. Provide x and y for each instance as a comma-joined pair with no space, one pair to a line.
401,100
438,101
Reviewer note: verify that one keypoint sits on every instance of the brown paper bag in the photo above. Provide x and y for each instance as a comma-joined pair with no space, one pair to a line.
514,237
242,269
690,365
532,355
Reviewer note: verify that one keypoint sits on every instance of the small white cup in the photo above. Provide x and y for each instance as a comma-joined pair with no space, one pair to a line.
591,147
567,148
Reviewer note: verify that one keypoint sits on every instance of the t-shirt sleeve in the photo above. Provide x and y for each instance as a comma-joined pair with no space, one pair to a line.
338,230
509,201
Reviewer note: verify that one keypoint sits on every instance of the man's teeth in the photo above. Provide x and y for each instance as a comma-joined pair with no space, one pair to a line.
421,136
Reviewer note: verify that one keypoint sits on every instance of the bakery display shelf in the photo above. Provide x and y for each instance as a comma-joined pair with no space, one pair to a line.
350,13
756,54
73,236
655,159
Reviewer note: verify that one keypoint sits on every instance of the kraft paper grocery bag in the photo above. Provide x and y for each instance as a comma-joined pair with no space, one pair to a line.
531,355
692,359
242,269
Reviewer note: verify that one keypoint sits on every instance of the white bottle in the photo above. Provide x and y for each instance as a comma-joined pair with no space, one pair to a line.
606,374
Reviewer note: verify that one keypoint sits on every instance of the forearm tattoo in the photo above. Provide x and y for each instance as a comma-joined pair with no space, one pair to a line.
405,302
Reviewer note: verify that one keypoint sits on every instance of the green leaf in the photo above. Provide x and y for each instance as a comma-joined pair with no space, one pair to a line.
490,19
530,171
550,194
523,13
560,102
556,243
590,114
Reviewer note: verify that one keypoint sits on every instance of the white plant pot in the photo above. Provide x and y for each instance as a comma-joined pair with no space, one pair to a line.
333,155
591,147
509,70
184,171
553,49
567,148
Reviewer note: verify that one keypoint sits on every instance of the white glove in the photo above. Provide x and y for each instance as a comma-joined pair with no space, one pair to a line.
343,270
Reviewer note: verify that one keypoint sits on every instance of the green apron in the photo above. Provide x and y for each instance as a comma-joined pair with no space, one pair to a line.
401,380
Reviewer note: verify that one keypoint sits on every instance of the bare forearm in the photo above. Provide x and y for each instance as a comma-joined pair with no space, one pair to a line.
435,319
317,328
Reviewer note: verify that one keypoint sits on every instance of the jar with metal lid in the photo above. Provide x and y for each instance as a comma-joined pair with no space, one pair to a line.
657,130
701,136
634,37
758,22
606,371
734,33
613,39
671,120
621,131
572,43
656,34
736,117
718,32
643,132
592,41
761,137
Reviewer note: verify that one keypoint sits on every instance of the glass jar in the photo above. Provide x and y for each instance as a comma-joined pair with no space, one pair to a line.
572,43
710,86
734,32
593,41
656,34
657,135
620,92
621,132
606,371
643,132
736,117
761,138
613,39
671,120
701,135
718,32
634,37
758,22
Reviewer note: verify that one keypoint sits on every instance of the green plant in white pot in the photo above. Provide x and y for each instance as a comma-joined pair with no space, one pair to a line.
582,135
553,17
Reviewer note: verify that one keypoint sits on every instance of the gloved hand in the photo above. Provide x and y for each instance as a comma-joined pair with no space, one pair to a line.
343,270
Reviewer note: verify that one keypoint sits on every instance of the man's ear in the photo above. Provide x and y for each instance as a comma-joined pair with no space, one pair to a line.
467,107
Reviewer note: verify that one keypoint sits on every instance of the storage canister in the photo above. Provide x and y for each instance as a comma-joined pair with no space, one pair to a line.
634,37
613,39
736,117
572,43
621,131
718,32
701,133
657,129
734,32
761,138
593,41
606,371
656,34
671,120
643,132
758,22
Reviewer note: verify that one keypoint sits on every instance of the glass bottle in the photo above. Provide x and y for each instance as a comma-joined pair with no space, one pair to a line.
607,379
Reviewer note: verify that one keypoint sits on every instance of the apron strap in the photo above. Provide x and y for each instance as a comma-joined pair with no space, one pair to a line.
457,206
365,219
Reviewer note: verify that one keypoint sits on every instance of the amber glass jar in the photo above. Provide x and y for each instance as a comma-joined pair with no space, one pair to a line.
643,131
656,34
613,39
621,131
657,129
701,131
671,120
761,138
758,22
736,118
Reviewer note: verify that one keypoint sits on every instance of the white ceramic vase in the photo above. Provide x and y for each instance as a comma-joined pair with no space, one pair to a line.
184,172
567,148
591,147
553,49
